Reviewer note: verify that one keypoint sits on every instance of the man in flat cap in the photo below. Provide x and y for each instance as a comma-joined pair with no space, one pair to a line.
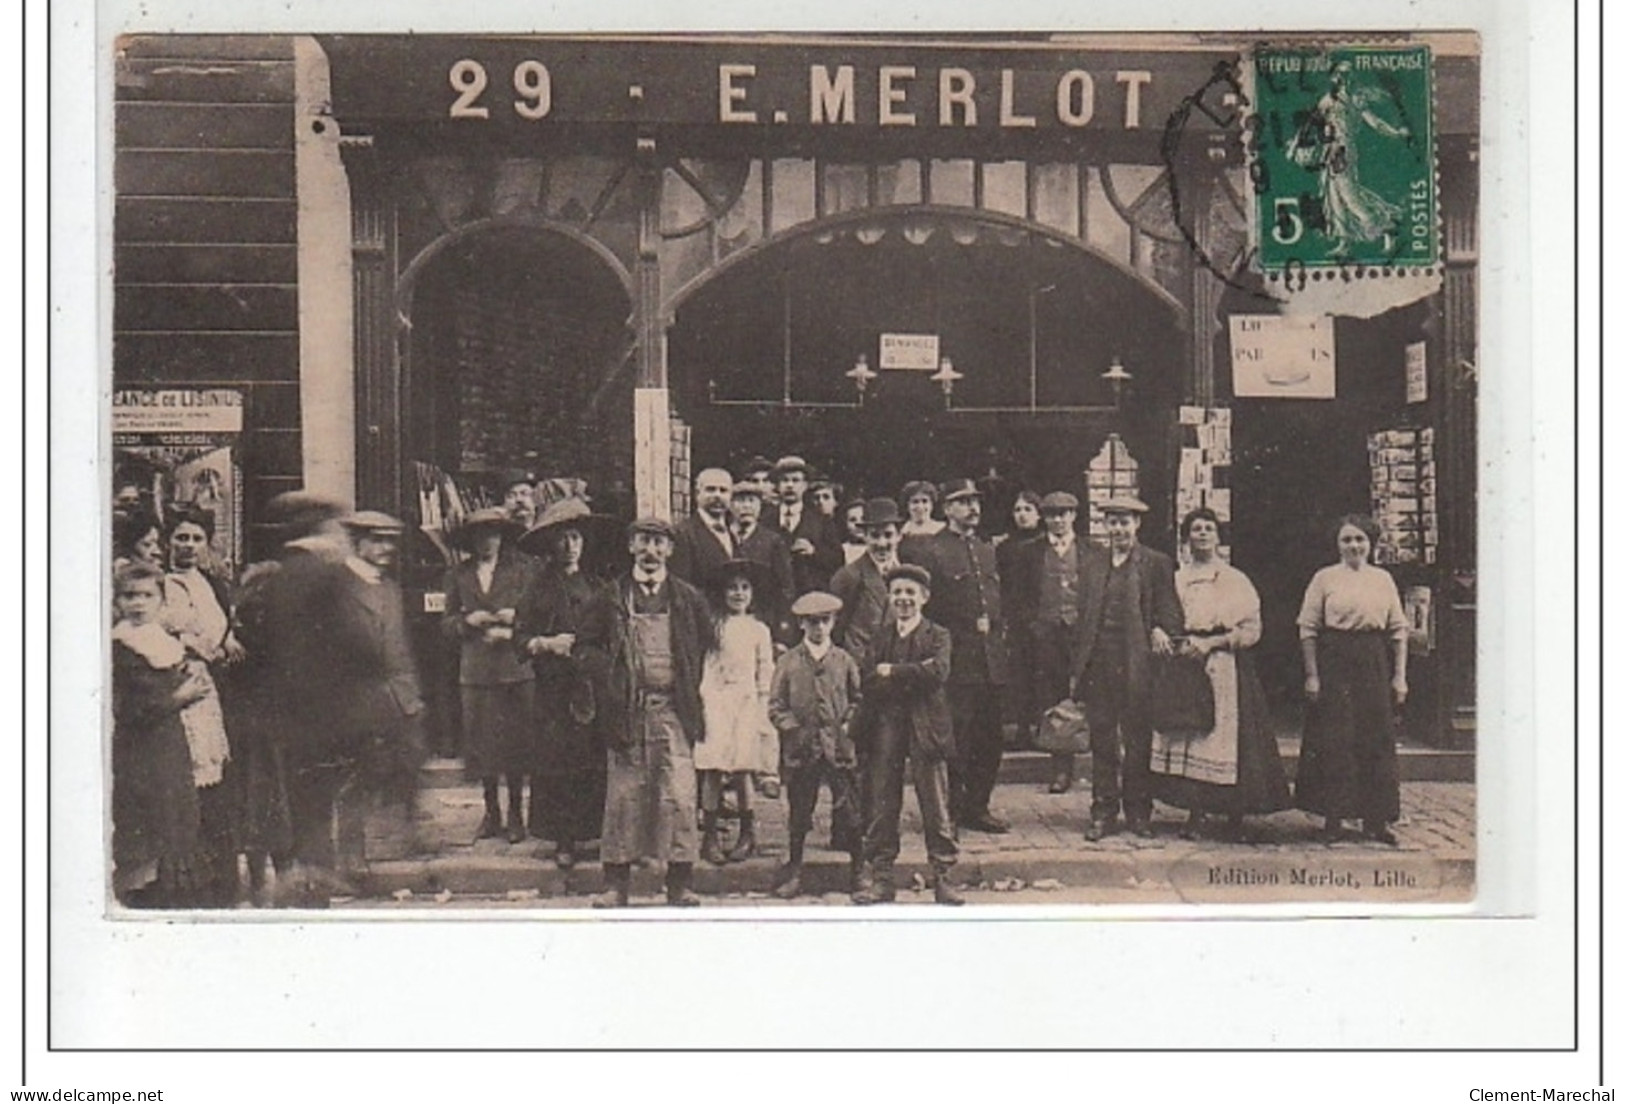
1044,596
704,540
965,601
904,726
815,546
861,584
384,709
643,643
1128,611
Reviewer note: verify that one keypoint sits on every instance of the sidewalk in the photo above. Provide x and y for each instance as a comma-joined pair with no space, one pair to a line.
1280,858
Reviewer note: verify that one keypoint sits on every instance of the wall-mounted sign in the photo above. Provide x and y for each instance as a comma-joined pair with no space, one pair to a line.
1416,372
178,411
1283,356
910,352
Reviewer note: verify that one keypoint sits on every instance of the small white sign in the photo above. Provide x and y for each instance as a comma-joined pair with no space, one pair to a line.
1283,356
178,411
1416,372
910,352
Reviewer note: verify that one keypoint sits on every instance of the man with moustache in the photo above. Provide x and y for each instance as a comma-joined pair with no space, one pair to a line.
861,584
704,540
642,643
965,601
1128,612
815,546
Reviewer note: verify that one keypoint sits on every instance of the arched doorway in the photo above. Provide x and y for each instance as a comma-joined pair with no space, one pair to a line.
512,334
515,331
759,355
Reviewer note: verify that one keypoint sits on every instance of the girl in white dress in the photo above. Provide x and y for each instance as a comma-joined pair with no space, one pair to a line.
739,738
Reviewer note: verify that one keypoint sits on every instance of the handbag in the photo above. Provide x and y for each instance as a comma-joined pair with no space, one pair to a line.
1181,695
1065,728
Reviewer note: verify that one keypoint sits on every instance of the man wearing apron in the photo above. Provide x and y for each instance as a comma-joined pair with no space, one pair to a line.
643,643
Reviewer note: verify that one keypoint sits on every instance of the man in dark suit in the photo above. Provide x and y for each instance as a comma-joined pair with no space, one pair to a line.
1128,612
643,643
861,584
965,601
385,708
815,545
904,724
755,541
704,541
1043,591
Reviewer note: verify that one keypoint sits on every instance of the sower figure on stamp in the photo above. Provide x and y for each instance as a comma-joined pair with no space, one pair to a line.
965,601
1128,611
643,642
904,723
815,695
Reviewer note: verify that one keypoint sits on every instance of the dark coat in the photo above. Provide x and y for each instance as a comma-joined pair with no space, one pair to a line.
864,606
696,554
810,572
295,647
514,585
605,646
915,695
1020,561
385,699
769,548
1159,607
964,588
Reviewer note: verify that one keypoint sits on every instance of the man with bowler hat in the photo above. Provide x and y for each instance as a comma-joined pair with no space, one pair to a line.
861,584
643,642
965,601
1128,611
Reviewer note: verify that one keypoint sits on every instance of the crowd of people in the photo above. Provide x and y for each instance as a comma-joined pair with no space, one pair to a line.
777,642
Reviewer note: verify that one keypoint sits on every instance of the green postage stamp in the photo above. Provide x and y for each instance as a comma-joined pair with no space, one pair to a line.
1342,159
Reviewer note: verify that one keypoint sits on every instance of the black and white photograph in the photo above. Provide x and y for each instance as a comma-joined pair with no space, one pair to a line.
596,472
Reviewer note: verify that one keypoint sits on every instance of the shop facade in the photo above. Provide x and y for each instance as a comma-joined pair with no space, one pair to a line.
423,261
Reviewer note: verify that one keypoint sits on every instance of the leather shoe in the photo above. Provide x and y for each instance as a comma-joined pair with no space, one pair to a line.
946,894
610,898
1099,830
490,827
1141,828
1380,833
987,822
1061,784
566,857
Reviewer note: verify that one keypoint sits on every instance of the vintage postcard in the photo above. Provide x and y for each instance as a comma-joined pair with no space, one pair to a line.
825,470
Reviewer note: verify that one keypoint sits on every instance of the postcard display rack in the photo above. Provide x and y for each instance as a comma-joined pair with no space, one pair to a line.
1404,497
1112,472
1204,465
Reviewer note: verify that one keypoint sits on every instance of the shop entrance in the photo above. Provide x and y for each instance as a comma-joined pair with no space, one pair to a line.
763,358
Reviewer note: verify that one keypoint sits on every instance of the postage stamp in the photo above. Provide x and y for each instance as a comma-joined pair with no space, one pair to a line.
1342,158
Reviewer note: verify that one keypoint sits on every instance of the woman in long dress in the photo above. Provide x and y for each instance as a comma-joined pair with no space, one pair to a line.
1354,634
1022,703
197,610
568,783
1234,769
739,738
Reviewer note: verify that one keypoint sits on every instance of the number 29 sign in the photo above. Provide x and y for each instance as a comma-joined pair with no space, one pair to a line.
532,86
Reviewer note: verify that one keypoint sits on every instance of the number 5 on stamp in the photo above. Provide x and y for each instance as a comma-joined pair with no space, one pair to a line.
1342,158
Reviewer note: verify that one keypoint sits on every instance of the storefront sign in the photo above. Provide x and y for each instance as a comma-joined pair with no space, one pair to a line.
1416,372
1283,356
546,81
910,352
181,411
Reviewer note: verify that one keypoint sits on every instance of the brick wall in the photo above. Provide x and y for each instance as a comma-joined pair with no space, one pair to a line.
205,252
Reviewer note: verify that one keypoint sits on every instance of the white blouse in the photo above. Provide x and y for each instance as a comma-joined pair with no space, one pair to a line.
1218,596
1349,600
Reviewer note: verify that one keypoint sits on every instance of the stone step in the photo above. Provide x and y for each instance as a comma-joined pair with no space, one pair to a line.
1416,764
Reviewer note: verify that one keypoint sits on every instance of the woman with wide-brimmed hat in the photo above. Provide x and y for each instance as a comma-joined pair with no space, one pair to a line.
739,738
568,776
490,607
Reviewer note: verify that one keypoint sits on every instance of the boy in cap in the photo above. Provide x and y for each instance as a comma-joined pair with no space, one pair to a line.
815,693
905,723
